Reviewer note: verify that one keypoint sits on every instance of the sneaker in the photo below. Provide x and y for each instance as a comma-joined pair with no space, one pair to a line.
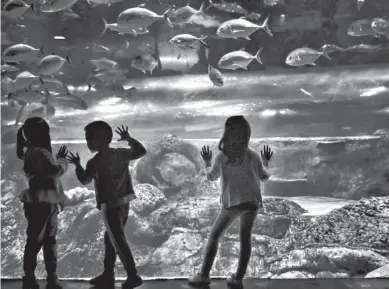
103,280
132,282
198,280
233,282
53,282
30,283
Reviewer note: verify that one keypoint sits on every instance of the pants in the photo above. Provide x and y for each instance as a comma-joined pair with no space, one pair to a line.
41,231
247,214
115,241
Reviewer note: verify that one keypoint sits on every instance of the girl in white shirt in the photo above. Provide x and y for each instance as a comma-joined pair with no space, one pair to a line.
241,170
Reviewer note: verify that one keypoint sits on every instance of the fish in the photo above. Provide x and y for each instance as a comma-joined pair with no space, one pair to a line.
8,68
69,100
215,76
239,59
104,2
27,96
97,48
50,83
24,80
139,17
69,13
184,14
272,3
230,7
15,9
51,64
22,53
104,63
330,48
46,112
134,30
51,6
304,56
241,28
112,75
115,89
380,26
188,40
360,4
79,90
253,16
362,27
145,63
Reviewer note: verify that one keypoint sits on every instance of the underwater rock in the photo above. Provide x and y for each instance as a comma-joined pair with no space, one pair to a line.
77,195
176,169
148,198
382,272
279,206
328,274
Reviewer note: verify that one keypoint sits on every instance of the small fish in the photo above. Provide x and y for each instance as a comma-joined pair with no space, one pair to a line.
15,9
112,75
79,90
241,28
362,27
272,3
239,59
22,53
27,96
45,112
69,13
51,64
230,7
50,83
69,101
104,63
360,4
330,48
24,80
184,14
139,17
99,48
124,29
380,26
8,68
51,6
303,56
188,40
215,76
145,63
104,2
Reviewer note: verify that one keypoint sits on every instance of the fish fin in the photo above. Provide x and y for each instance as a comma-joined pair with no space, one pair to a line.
209,6
209,67
202,41
247,38
179,55
105,27
202,7
141,5
41,80
32,6
266,28
242,49
166,18
258,56
68,59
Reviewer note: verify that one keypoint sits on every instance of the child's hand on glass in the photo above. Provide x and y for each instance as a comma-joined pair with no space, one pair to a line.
74,159
266,154
123,133
62,153
206,154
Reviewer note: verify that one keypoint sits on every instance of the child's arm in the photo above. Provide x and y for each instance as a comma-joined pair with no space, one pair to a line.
84,176
213,172
136,151
262,169
50,166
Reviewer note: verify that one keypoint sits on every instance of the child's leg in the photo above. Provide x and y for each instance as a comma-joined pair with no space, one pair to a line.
109,256
223,221
37,216
114,219
246,227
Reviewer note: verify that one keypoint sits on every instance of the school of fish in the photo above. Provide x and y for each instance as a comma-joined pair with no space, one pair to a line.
42,86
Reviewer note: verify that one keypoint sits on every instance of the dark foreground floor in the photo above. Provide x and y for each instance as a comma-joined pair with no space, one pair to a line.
220,284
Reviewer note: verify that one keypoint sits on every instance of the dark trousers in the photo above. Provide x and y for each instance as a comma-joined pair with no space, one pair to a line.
41,231
115,241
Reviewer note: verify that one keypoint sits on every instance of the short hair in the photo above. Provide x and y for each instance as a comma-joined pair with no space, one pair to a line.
99,130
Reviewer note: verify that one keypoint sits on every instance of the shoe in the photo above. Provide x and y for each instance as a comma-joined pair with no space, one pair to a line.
198,280
53,282
30,282
132,282
103,280
233,282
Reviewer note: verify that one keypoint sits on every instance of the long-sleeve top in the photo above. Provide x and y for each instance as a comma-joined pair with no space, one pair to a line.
111,175
240,183
43,172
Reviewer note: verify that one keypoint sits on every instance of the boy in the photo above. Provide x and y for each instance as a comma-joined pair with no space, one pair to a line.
113,186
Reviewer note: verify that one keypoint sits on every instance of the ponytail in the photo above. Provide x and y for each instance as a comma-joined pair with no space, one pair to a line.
20,143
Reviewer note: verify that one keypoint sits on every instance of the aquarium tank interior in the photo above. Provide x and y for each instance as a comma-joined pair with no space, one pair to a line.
310,76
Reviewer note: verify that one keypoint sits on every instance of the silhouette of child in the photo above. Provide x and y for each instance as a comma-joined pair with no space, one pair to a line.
241,170
42,198
114,190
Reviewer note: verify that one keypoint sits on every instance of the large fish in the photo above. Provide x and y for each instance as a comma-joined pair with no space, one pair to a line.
184,14
51,64
51,6
215,76
104,63
304,56
134,30
22,53
362,27
241,28
27,96
15,9
139,17
188,40
145,63
239,59
230,7
22,81
380,26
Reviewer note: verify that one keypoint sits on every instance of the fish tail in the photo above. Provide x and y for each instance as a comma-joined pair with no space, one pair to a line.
202,7
41,79
89,87
41,49
166,18
105,27
258,56
202,41
68,59
32,6
266,28
324,52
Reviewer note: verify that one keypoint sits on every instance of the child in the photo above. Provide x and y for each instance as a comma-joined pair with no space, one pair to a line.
41,199
113,185
241,170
